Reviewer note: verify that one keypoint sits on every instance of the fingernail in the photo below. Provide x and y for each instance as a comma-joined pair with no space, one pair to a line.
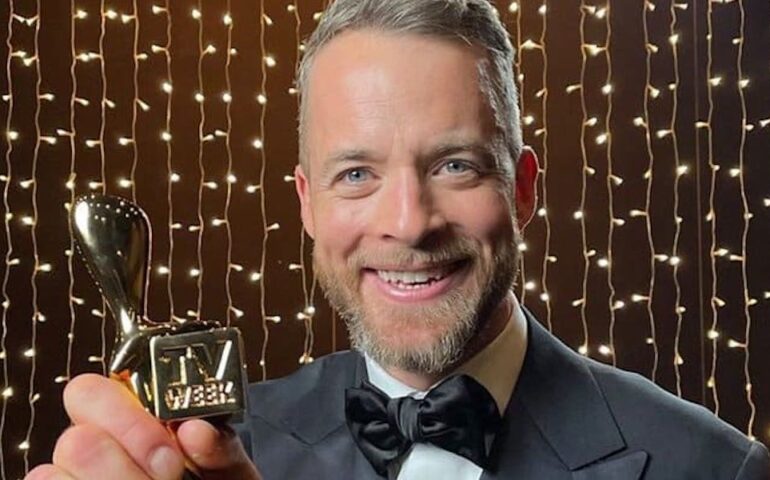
165,463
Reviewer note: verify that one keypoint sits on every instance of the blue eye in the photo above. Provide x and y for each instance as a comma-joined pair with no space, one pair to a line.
355,175
456,167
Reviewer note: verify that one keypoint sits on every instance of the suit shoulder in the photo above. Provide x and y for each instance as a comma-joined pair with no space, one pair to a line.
653,418
288,415
327,375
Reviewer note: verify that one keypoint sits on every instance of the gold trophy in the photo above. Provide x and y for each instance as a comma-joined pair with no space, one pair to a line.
178,370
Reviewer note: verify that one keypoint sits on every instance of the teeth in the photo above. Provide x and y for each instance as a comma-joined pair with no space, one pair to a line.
412,277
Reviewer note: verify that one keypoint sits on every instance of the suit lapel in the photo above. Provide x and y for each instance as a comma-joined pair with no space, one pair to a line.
558,408
324,409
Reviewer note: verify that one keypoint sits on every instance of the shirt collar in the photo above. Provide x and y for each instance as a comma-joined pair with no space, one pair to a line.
496,367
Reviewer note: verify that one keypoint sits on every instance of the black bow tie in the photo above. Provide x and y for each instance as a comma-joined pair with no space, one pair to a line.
458,415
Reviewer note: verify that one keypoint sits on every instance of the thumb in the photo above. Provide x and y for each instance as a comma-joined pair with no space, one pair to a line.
217,452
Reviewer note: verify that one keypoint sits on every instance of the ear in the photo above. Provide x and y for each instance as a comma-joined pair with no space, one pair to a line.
527,170
302,185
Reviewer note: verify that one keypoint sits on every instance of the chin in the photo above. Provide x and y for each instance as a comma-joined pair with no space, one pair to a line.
405,337
414,342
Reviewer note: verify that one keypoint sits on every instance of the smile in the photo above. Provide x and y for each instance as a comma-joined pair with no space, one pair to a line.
414,279
415,284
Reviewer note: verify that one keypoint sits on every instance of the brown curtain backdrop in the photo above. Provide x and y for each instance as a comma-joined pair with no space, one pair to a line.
651,119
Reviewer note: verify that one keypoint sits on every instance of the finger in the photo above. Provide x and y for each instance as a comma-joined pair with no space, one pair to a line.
88,452
108,405
216,451
48,472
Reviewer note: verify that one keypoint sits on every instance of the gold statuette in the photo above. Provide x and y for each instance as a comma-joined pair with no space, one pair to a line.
178,370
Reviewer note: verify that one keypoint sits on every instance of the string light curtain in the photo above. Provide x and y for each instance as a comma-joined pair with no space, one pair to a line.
651,120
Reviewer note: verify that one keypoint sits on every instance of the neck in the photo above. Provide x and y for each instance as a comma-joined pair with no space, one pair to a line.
491,329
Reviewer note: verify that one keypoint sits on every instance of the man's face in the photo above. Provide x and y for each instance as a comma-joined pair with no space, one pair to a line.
406,198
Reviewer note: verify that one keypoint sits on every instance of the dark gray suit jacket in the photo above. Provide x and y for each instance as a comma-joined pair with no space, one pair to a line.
569,418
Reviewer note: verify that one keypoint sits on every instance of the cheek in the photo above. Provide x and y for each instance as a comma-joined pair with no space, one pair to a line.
484,215
339,229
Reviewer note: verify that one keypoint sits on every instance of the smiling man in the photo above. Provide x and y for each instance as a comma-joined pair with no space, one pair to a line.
415,187
415,171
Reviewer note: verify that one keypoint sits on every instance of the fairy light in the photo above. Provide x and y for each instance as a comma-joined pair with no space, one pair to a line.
30,353
70,134
228,22
134,110
172,178
603,262
196,14
675,260
578,215
545,297
606,351
711,217
747,215
309,296
101,185
608,91
646,213
7,389
262,197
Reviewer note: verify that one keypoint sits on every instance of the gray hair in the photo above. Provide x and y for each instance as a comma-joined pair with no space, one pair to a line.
475,22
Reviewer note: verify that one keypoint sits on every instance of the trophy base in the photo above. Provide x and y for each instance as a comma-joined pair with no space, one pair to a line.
197,374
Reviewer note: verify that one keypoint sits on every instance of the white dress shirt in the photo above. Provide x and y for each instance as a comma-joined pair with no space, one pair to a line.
496,367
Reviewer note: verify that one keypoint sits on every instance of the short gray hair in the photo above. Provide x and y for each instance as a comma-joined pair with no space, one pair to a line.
475,22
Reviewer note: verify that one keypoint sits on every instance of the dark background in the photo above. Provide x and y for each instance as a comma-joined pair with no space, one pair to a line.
71,336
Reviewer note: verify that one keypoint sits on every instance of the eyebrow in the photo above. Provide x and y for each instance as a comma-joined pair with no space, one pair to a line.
345,155
452,147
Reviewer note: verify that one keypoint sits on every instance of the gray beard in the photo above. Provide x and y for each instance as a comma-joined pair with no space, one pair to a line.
469,315
434,358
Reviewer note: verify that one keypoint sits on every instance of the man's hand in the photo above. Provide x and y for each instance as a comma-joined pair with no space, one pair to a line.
114,437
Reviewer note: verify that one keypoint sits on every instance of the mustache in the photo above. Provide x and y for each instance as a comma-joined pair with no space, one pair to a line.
448,252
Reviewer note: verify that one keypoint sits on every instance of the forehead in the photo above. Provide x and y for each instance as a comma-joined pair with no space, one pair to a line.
366,83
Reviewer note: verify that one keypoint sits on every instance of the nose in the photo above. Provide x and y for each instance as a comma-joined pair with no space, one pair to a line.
406,210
